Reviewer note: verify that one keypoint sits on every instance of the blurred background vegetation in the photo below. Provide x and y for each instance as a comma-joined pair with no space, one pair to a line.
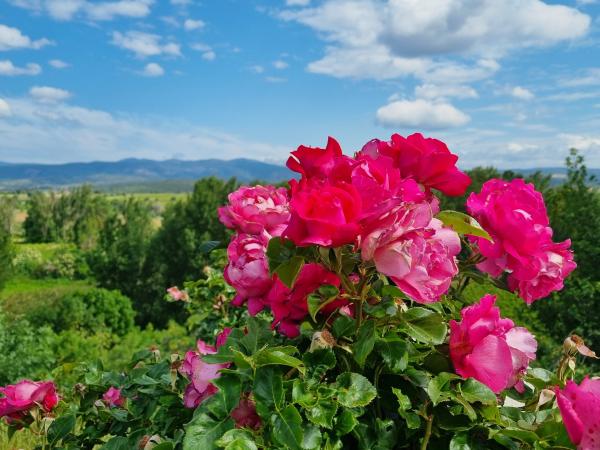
83,274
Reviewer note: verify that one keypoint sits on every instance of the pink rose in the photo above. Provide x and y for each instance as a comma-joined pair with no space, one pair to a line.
580,410
514,214
289,306
555,262
414,250
202,373
178,295
317,163
426,160
245,416
256,209
323,214
248,270
18,399
113,397
488,348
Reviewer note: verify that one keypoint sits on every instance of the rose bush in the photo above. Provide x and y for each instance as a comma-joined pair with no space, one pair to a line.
357,330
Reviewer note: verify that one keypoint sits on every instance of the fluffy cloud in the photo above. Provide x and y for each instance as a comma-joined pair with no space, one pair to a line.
280,65
297,2
153,70
591,77
145,44
208,53
47,94
4,108
58,64
91,10
435,91
7,68
191,24
521,93
421,113
581,142
393,38
12,38
61,132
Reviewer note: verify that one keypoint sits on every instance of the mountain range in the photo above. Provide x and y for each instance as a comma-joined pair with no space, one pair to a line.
148,175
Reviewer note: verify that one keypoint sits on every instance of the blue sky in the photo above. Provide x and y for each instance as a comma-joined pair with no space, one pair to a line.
511,83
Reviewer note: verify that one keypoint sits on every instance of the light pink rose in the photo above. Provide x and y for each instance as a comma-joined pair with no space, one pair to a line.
323,213
414,250
248,270
289,306
580,410
489,348
177,295
201,373
426,160
112,397
256,209
18,399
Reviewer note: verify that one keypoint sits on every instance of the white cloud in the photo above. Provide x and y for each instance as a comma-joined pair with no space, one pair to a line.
297,2
590,78
275,79
4,108
61,132
393,38
521,93
435,91
421,113
58,64
12,38
280,65
581,142
7,68
91,10
47,94
256,68
181,2
145,44
208,53
191,24
518,147
153,70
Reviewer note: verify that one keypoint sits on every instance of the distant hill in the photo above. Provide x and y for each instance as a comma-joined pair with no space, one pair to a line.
134,171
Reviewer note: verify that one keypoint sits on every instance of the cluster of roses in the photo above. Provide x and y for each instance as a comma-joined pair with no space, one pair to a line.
514,214
380,200
21,399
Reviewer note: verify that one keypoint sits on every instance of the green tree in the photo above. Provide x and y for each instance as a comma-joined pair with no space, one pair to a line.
39,225
7,209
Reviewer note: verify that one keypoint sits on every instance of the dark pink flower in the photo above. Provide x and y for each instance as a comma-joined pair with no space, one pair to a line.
489,348
580,410
18,399
289,306
323,214
426,160
248,270
256,209
317,163
112,397
244,414
201,373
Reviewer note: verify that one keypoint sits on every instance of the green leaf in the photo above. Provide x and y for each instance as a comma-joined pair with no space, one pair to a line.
463,224
287,428
268,390
258,333
230,389
343,326
60,428
316,303
345,422
278,356
474,391
203,431
394,352
302,394
208,246
460,441
424,325
354,390
319,361
364,342
117,443
403,400
288,271
322,413
312,438
439,387
237,439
